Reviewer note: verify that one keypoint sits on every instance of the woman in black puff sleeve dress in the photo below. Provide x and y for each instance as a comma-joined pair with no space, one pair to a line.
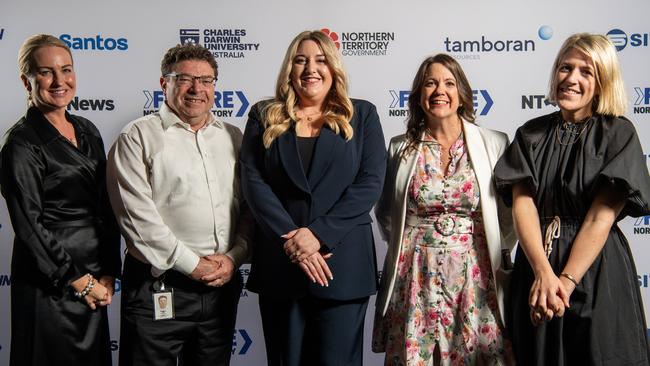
66,251
571,176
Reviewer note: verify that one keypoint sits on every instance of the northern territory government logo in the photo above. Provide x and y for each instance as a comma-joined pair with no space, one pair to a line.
223,43
369,43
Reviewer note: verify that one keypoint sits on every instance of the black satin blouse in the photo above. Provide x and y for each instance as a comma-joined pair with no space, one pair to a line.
49,184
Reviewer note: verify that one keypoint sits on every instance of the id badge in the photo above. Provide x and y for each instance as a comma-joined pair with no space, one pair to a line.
163,301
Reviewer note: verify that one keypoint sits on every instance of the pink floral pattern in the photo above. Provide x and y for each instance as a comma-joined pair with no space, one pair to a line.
444,294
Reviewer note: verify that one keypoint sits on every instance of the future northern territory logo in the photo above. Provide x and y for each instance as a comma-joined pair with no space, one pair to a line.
227,103
399,105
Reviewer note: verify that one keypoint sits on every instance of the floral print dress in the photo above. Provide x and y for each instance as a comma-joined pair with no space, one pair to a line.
444,294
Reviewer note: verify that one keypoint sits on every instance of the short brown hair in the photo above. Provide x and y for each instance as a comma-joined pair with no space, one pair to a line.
188,51
26,62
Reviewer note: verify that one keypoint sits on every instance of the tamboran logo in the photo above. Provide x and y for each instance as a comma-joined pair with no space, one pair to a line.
642,225
361,43
399,105
642,102
79,104
225,102
621,40
95,43
223,43
241,342
535,101
5,280
472,48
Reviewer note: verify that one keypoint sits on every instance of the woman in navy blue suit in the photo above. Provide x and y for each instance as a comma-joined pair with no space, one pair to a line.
313,164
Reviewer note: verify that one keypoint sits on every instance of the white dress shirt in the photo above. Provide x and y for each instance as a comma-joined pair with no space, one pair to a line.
176,193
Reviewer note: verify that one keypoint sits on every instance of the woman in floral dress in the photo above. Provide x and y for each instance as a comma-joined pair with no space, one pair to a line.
440,300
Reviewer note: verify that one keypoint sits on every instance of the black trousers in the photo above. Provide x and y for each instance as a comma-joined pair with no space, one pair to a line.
313,332
200,334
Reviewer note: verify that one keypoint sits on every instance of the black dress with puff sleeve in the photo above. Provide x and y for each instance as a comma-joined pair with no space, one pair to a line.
565,166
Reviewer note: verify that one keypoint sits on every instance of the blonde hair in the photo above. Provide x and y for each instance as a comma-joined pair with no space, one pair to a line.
610,96
338,106
26,62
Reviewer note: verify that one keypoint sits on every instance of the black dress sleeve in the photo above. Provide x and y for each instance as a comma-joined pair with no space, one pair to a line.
516,165
624,168
21,176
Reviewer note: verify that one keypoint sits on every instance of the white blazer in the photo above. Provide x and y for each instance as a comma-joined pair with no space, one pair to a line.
484,147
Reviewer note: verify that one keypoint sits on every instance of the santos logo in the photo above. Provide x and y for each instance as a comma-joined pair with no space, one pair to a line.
241,342
398,106
642,102
225,102
79,104
621,40
95,43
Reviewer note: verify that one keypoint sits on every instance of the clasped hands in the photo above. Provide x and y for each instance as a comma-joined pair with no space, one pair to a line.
100,295
302,247
549,297
214,270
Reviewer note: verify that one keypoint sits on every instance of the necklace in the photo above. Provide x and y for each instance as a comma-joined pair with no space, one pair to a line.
309,117
71,140
573,131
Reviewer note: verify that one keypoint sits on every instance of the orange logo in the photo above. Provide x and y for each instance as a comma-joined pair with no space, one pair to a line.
333,36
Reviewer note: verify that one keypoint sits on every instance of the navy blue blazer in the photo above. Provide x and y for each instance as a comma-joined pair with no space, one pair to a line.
334,201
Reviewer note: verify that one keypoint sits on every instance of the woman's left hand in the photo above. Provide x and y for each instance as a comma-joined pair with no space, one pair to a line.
109,283
301,244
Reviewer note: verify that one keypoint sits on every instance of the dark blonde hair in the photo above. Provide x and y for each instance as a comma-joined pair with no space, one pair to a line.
26,62
415,123
610,98
338,106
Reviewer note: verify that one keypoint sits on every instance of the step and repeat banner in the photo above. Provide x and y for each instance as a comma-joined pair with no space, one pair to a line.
505,47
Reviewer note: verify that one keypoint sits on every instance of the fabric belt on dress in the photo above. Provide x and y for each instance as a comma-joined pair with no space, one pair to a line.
91,221
445,224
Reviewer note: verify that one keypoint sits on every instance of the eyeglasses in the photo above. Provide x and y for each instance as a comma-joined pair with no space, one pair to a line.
188,80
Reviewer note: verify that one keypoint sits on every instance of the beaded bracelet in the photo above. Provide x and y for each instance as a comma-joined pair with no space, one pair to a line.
570,278
89,287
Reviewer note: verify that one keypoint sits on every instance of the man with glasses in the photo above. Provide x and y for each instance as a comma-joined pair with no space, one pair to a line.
174,186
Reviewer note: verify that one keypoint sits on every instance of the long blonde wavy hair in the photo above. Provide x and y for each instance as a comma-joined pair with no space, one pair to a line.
338,109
